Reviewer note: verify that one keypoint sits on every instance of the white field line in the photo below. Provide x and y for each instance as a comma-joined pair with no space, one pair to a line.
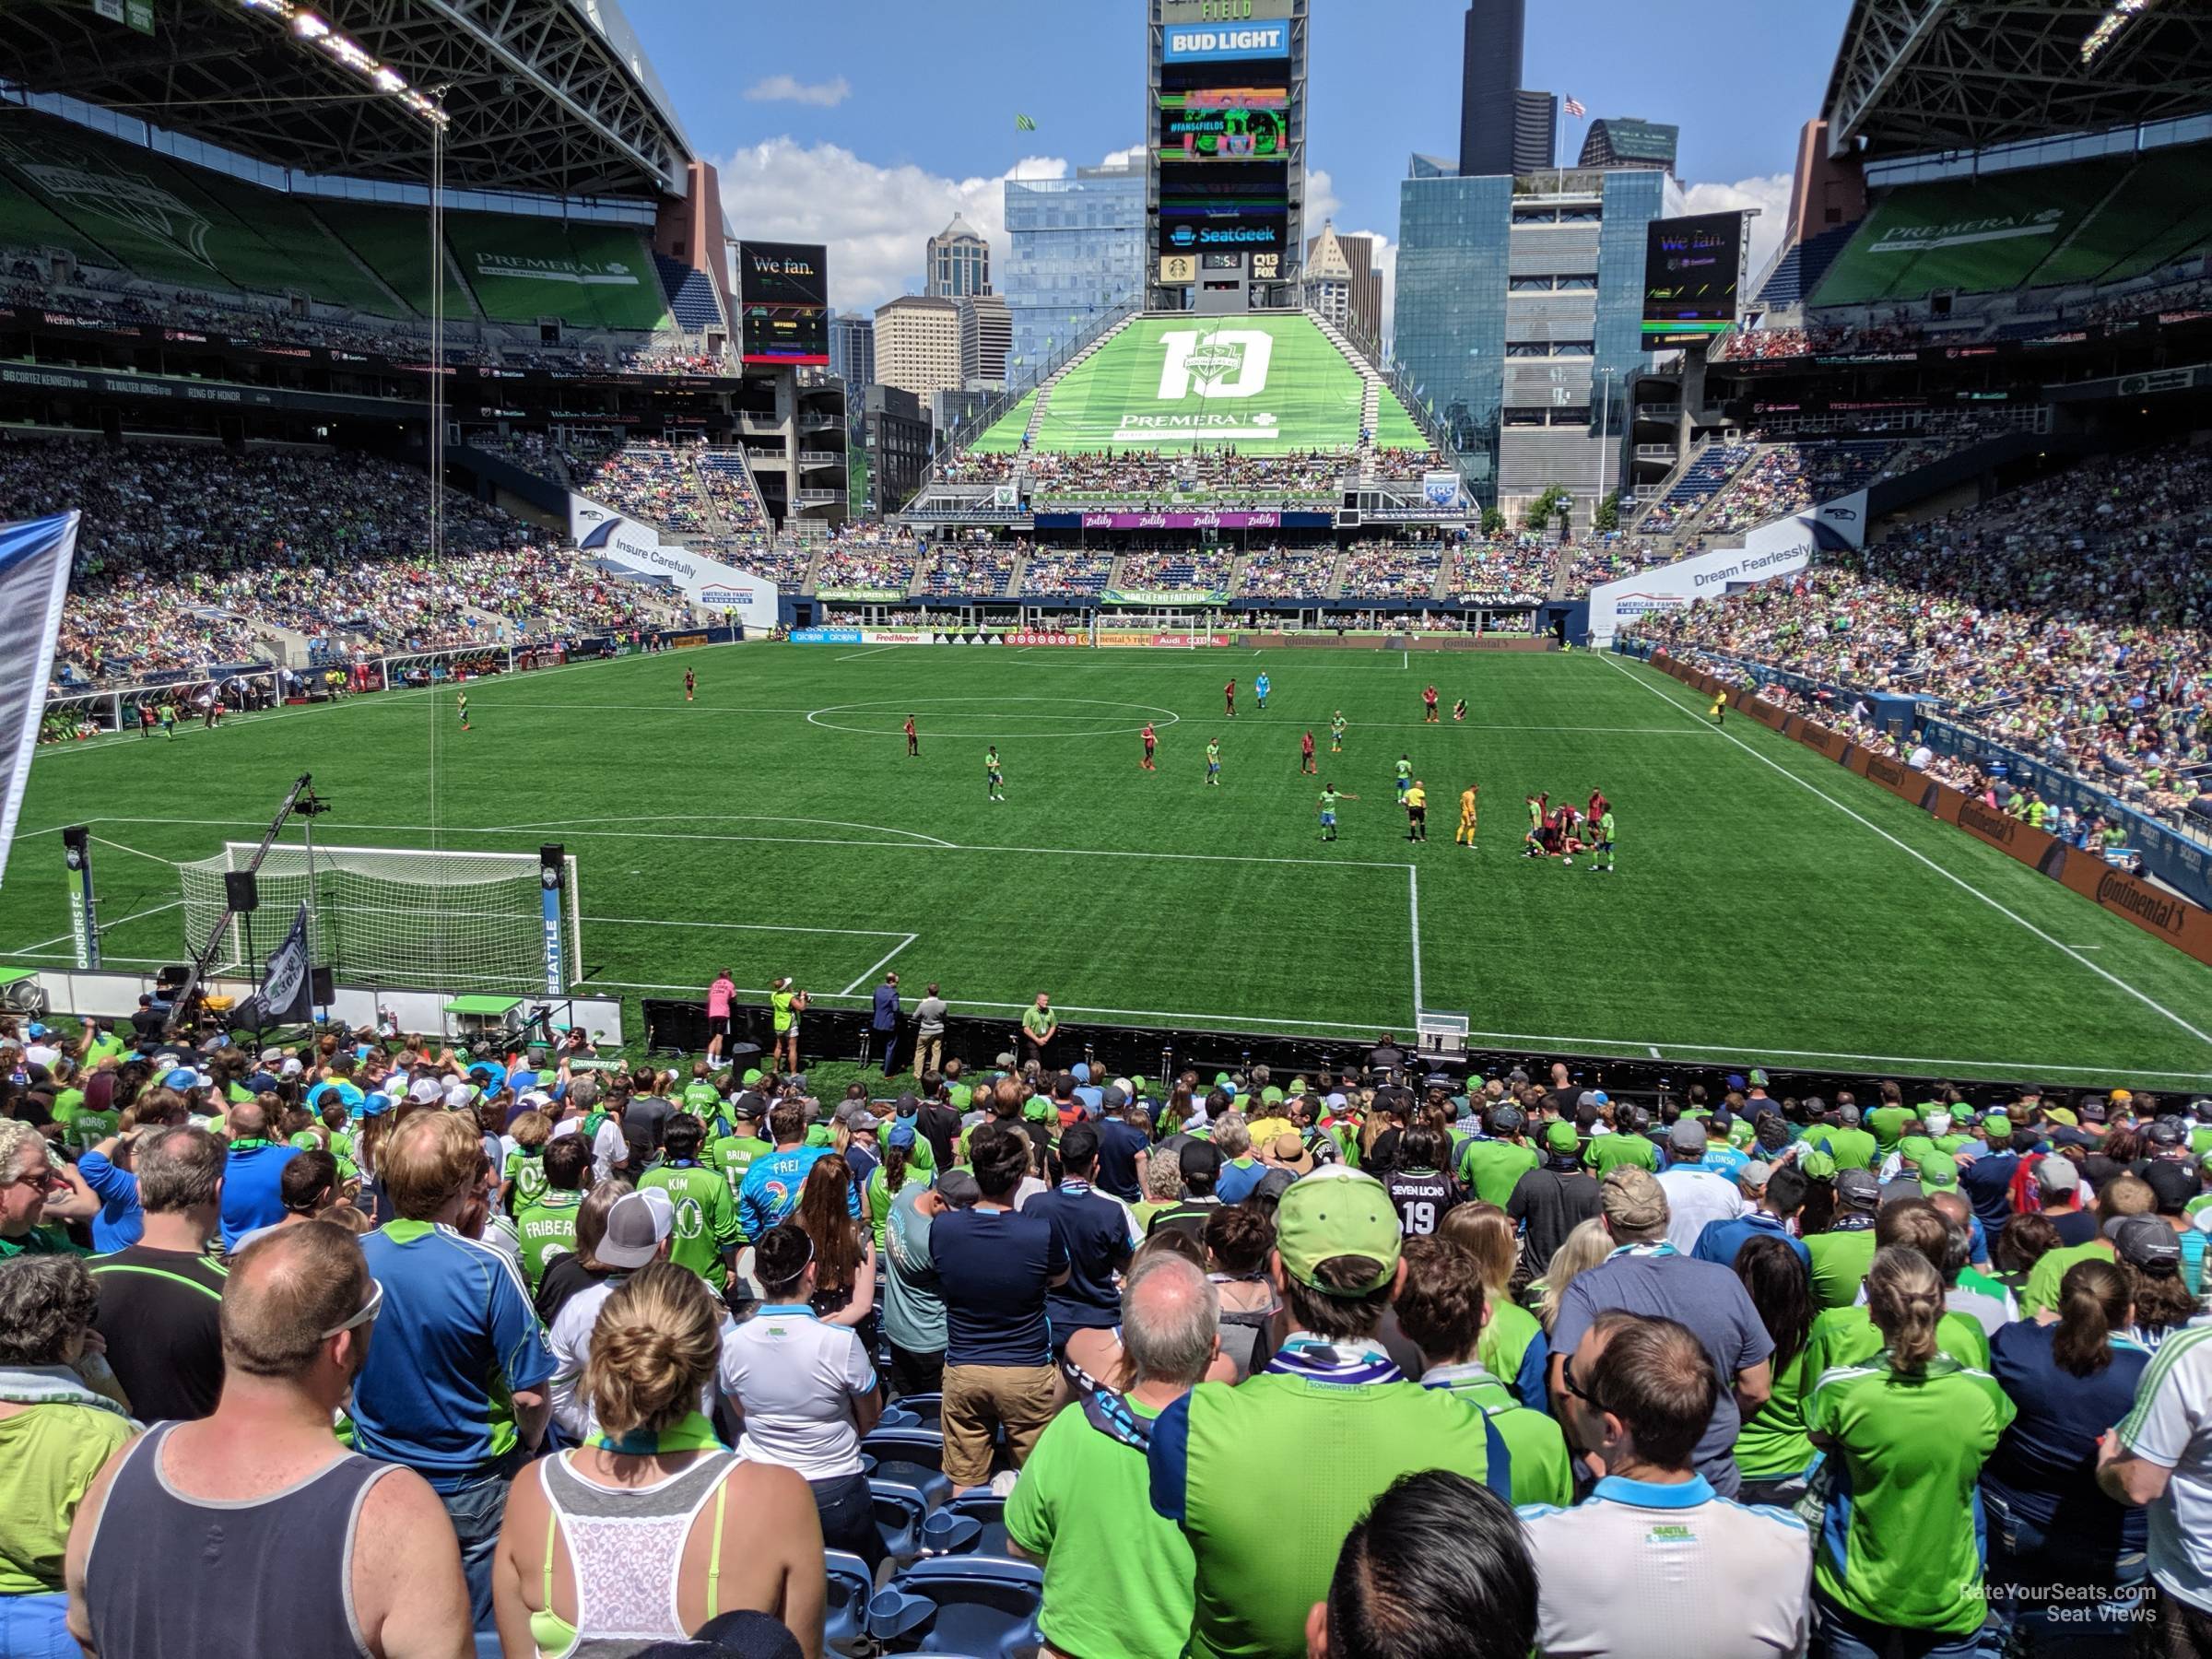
104,926
1959,881
1413,904
870,651
869,972
857,933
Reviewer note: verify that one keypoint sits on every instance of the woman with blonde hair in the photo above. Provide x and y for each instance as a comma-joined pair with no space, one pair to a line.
651,1531
1585,1248
1897,1560
1515,1348
1161,1170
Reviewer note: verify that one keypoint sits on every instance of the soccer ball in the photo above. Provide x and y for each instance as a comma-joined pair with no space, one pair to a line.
1571,864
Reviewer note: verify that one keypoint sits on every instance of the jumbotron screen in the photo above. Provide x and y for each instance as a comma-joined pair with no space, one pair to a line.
1692,269
783,294
1223,207
1224,123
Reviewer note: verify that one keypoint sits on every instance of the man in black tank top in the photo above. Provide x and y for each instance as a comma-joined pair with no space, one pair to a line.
251,1533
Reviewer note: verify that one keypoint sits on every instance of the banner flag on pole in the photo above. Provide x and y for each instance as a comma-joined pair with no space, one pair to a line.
34,578
283,997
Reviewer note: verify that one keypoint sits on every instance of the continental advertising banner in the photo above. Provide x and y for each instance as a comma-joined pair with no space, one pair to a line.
2152,908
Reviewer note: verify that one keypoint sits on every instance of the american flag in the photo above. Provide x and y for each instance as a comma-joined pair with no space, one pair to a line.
1574,108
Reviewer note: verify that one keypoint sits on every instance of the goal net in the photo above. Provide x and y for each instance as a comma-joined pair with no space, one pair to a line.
395,916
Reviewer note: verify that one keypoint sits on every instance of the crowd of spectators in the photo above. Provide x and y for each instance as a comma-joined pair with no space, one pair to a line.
868,556
727,482
1391,570
1221,474
1505,566
2070,619
691,1356
1050,571
655,482
971,571
1191,568
1287,573
1789,477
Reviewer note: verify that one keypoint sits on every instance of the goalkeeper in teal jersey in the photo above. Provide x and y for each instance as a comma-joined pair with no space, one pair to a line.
1602,847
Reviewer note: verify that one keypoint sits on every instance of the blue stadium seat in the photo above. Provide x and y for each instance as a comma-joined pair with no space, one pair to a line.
972,1524
901,1512
690,295
961,1605
845,1610
913,1457
928,1407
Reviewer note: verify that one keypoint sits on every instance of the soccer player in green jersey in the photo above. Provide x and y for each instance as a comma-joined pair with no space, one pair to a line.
1213,762
1603,846
461,704
1329,797
1336,733
1405,771
994,775
704,1236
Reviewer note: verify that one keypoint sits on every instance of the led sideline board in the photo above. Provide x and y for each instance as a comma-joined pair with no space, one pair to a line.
783,296
1693,269
1224,123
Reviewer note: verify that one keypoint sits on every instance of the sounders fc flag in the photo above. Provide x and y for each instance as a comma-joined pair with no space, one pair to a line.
287,985
34,576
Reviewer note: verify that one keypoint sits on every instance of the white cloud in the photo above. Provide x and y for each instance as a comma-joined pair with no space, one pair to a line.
1769,194
786,88
874,218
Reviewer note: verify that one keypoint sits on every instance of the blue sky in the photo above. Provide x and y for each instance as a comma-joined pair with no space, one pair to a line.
867,125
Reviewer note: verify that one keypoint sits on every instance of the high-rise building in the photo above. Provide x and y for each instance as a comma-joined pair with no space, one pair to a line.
986,339
1076,255
1520,304
895,427
1630,141
1342,283
853,350
918,344
957,262
1536,130
1489,77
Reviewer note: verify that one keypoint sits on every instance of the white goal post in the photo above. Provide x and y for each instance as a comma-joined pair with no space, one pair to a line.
394,915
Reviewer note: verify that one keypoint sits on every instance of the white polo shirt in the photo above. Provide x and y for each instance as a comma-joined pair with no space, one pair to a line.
796,1380
1643,1570
2172,1426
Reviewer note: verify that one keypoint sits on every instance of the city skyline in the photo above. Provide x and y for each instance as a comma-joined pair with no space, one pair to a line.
819,145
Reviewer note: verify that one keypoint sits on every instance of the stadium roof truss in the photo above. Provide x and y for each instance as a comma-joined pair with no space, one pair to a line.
552,97
1915,76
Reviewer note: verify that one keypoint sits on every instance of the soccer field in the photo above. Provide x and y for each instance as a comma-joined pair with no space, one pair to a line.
1767,907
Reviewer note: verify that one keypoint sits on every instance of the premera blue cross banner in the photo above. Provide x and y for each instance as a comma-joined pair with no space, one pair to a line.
34,576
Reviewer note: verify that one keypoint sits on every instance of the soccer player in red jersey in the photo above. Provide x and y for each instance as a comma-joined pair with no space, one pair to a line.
913,739
691,684
1305,755
1429,706
1597,805
1151,743
1228,696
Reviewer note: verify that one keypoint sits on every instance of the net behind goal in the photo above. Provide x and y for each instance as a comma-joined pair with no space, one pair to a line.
394,917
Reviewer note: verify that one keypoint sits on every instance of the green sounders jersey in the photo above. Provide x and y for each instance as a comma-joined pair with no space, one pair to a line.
1117,1577
734,1155
706,1216
1840,1264
1265,1548
547,1228
1887,1124
1404,771
1492,1168
526,1174
701,1099
1898,1544
1542,1471
1773,1444
1607,1150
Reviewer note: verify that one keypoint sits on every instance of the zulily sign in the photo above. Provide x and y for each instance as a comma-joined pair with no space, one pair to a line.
1214,43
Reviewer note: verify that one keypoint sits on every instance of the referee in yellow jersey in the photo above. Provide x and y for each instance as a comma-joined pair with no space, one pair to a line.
1417,812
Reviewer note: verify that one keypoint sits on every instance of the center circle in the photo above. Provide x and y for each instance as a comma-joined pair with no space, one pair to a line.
1054,717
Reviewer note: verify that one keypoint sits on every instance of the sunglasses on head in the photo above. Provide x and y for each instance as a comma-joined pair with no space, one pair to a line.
368,1312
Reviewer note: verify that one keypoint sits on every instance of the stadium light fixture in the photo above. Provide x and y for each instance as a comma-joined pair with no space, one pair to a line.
313,31
2121,14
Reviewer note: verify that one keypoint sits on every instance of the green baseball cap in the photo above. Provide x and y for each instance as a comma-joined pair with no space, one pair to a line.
1817,1165
1338,1212
751,1077
1561,1136
1271,1095
1938,1169
1039,1110
1297,1086
1997,1123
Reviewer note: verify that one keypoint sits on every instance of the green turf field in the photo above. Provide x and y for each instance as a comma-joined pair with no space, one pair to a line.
1768,906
